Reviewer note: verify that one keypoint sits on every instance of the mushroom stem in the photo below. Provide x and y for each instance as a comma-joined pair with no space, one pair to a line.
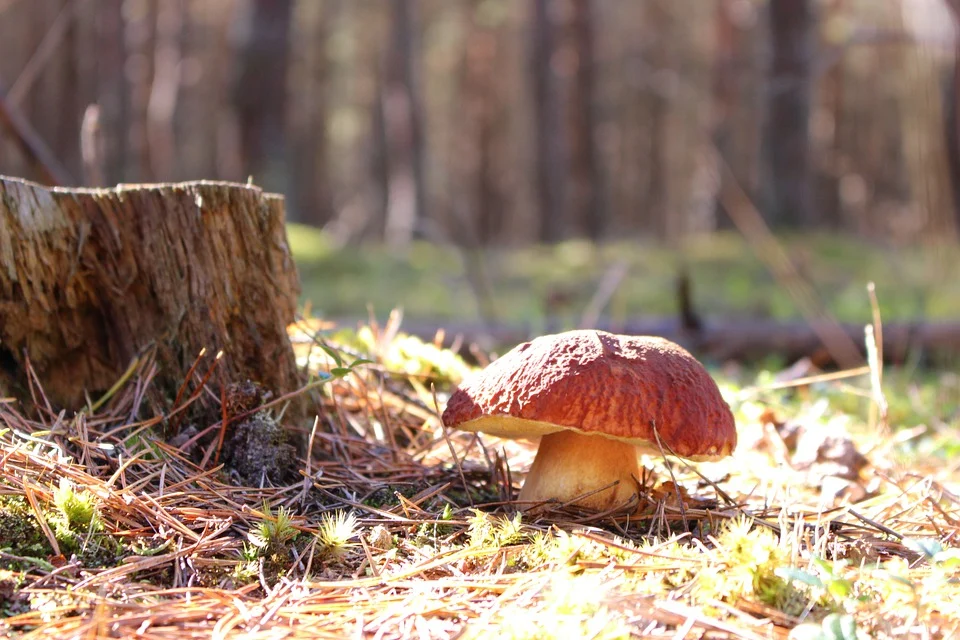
570,464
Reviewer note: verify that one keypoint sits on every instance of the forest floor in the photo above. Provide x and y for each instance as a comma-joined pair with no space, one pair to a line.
837,517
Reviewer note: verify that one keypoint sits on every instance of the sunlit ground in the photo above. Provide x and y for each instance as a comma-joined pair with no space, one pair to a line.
837,515
830,519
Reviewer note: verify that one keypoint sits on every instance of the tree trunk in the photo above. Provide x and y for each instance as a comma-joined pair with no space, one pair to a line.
140,38
830,167
311,188
165,89
91,279
549,148
260,89
728,101
951,116
112,91
786,142
478,219
403,119
585,181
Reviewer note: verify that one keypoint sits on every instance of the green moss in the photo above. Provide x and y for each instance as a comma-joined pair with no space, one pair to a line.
12,599
22,535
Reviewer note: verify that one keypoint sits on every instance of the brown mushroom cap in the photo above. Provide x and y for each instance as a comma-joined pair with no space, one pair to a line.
599,383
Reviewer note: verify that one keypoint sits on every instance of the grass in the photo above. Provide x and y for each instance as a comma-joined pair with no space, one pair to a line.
523,285
393,528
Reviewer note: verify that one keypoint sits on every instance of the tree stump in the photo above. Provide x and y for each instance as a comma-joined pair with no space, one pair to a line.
92,278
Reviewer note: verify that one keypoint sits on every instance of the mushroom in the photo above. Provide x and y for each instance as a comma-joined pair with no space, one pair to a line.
595,398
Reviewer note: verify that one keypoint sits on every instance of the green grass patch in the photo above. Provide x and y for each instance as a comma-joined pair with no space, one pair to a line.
525,284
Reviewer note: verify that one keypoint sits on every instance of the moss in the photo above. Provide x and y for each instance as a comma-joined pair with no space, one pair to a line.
12,599
22,535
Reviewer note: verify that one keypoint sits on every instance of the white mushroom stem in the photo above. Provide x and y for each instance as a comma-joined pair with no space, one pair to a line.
570,464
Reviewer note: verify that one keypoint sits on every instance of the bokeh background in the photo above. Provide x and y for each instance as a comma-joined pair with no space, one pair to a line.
505,159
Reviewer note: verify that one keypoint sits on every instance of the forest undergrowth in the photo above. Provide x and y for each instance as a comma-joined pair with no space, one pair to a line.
837,517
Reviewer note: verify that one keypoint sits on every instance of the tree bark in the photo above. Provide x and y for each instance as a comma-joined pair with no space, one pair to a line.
91,279
786,142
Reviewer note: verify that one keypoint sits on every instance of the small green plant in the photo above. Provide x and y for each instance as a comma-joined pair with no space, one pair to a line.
430,531
335,534
935,553
12,599
827,577
923,589
342,369
834,626
77,520
485,530
248,568
274,532
78,508
750,559
267,552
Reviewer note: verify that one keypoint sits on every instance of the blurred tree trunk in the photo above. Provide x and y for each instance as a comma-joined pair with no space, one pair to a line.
786,138
51,98
311,187
586,186
653,209
112,91
926,147
165,89
830,166
951,113
729,43
70,107
139,34
260,88
479,106
549,160
378,166
403,122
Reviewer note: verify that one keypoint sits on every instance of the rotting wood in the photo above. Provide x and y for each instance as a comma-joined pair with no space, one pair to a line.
92,278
